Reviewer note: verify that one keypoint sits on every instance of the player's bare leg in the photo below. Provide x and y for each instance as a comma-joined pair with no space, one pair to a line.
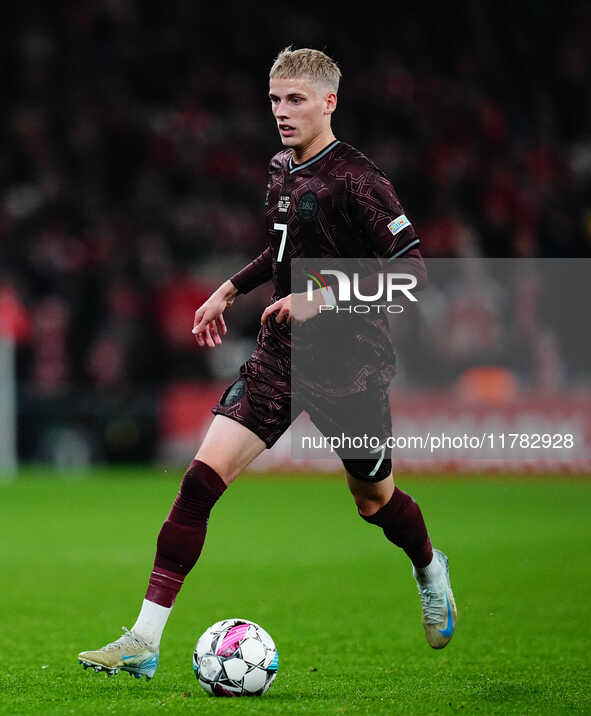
370,496
228,448
382,503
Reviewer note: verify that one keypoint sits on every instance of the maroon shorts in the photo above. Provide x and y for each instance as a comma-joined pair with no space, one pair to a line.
261,399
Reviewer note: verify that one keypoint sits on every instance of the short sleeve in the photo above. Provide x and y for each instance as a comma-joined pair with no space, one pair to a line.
374,206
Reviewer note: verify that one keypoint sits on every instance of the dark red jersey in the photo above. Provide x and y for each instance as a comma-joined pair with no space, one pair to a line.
338,204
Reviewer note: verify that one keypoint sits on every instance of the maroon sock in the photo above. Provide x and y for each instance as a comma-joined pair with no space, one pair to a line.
182,535
403,524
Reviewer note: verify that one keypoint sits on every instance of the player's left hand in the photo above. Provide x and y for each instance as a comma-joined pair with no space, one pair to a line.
282,308
295,307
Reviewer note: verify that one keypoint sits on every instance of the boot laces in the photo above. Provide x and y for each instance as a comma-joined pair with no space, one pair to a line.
433,602
128,639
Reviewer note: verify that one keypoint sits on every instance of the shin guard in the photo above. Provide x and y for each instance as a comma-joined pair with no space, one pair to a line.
182,535
403,524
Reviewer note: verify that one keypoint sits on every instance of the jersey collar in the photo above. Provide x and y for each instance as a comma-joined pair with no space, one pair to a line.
296,167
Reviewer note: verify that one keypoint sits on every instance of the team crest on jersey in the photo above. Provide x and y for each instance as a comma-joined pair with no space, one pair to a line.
284,202
398,224
308,206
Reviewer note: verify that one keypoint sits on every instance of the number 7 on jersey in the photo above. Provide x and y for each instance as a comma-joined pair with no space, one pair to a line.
283,229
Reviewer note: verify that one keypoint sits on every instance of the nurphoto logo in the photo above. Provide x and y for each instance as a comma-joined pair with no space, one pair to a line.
388,285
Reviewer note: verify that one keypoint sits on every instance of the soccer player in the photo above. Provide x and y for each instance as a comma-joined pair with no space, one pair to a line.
324,199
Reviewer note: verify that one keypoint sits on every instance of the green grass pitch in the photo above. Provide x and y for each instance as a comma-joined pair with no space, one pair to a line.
339,600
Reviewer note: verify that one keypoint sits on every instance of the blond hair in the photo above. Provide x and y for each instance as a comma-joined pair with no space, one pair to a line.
311,64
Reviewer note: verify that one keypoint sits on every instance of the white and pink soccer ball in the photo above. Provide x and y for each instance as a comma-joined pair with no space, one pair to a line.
235,657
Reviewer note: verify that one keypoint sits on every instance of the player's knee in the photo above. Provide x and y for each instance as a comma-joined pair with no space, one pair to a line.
368,505
229,447
224,465
370,497
200,489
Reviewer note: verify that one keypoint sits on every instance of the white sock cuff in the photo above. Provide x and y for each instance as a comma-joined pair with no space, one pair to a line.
151,622
431,571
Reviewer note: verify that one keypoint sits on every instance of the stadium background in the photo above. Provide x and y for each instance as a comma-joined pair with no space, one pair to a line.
135,140
134,143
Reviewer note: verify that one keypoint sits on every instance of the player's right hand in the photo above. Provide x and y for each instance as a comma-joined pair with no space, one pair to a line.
209,325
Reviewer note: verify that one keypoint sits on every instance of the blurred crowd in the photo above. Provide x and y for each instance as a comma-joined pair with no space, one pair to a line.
136,135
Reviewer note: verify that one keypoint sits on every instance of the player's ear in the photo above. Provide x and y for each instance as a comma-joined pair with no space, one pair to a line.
330,102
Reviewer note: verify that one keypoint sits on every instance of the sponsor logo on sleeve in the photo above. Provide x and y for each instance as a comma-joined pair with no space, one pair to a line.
398,224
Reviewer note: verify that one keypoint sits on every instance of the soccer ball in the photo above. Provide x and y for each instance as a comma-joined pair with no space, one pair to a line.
235,657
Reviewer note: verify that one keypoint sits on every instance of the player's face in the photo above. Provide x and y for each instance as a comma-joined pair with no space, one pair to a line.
301,109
